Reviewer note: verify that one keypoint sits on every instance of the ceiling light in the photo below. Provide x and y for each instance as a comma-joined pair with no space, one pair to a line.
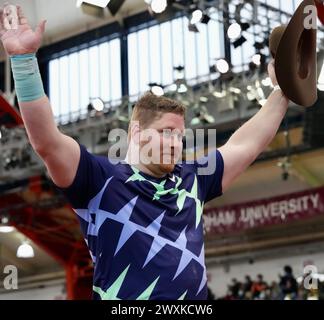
262,102
98,104
208,118
6,229
222,66
196,16
158,6
98,3
219,94
157,90
183,88
25,250
235,90
203,99
234,31
179,72
256,59
266,82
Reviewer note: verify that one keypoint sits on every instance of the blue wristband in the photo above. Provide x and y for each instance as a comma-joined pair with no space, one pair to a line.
28,81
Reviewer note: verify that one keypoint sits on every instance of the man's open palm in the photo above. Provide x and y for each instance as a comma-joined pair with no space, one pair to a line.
22,40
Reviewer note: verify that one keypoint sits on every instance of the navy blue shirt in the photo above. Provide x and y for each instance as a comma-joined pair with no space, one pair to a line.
145,234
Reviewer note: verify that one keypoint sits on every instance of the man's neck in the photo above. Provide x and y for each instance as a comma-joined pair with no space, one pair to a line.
143,168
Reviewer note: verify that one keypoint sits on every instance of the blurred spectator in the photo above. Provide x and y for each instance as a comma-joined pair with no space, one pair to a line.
235,288
288,284
287,289
259,287
247,284
274,291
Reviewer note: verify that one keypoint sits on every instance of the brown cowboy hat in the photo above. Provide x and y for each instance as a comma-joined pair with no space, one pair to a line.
294,49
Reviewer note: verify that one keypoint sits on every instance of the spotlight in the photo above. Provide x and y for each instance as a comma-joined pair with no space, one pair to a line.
25,250
259,60
167,14
234,31
156,89
93,8
179,72
222,66
98,104
4,227
196,16
262,102
202,116
182,88
266,82
256,59
203,99
158,6
98,3
219,94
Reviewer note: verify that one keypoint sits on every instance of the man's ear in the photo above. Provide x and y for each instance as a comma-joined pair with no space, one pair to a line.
135,131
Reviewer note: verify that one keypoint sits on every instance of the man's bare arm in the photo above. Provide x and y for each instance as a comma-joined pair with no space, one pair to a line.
60,153
250,140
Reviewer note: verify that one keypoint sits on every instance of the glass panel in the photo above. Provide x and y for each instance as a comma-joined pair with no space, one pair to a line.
94,72
105,72
84,80
54,84
115,70
64,88
74,85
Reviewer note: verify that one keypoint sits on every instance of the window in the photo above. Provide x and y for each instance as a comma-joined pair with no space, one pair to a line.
155,51
78,77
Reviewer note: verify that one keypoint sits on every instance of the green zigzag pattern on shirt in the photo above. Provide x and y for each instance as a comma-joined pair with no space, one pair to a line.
183,296
182,193
113,290
147,293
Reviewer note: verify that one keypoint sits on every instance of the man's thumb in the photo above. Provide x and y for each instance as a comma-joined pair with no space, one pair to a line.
40,29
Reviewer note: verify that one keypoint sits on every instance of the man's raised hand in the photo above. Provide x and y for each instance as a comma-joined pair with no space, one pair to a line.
15,32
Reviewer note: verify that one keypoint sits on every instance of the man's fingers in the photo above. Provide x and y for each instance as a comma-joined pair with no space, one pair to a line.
40,29
21,16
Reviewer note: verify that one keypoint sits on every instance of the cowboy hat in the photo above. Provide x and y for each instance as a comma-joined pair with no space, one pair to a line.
294,49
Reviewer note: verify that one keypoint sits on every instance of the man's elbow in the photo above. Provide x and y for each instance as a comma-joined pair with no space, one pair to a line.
45,151
42,150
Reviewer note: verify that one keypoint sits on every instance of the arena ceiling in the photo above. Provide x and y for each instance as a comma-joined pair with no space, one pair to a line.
64,19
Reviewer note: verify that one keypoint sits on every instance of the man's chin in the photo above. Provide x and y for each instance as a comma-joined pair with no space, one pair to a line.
166,168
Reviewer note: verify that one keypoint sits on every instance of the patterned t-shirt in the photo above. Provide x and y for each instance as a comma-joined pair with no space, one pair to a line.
145,234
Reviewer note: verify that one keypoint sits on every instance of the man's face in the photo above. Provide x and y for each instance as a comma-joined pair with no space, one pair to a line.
161,143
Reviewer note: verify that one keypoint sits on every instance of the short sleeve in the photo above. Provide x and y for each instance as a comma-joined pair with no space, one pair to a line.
210,170
92,173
